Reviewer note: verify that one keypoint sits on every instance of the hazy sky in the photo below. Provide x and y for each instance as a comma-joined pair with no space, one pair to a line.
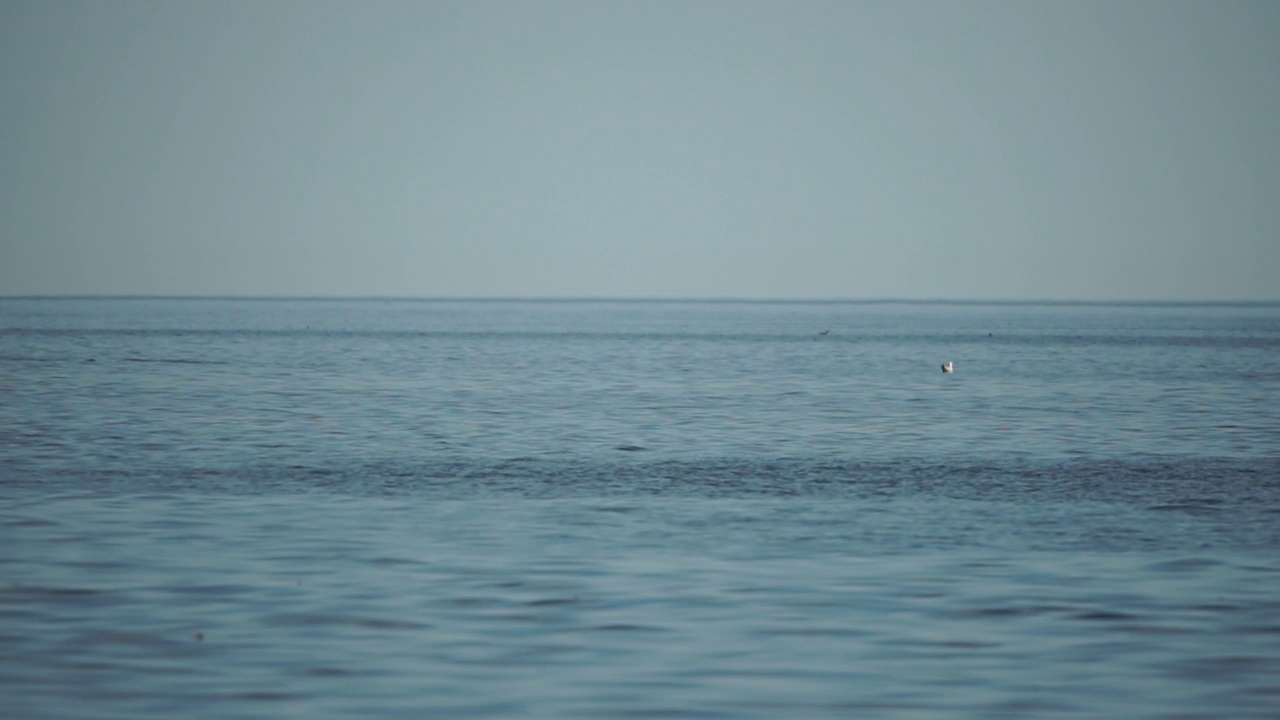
950,149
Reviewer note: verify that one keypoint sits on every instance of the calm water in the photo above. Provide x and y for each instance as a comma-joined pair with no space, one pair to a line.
324,509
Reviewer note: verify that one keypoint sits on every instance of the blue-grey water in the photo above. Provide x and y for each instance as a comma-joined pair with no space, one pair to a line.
462,509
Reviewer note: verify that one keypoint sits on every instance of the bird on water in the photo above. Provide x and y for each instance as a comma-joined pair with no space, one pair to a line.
946,367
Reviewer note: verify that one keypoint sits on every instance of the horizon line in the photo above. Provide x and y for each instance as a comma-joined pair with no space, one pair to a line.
831,300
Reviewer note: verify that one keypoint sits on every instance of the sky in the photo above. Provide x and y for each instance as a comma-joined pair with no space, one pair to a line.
1061,150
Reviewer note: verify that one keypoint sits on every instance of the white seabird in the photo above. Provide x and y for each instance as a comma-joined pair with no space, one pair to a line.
946,367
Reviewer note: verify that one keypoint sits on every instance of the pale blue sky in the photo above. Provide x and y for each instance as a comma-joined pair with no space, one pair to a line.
950,149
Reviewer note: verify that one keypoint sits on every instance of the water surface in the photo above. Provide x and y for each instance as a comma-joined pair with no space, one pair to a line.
257,508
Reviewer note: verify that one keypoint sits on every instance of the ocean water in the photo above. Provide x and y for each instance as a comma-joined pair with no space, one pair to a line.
498,509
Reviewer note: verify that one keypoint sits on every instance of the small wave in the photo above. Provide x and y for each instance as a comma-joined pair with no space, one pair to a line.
1182,565
1105,615
1192,505
623,627
305,619
173,361
27,358
57,596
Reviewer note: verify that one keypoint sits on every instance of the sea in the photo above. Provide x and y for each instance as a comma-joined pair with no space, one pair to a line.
405,508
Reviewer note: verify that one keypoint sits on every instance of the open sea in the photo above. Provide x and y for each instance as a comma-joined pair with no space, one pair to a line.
230,508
